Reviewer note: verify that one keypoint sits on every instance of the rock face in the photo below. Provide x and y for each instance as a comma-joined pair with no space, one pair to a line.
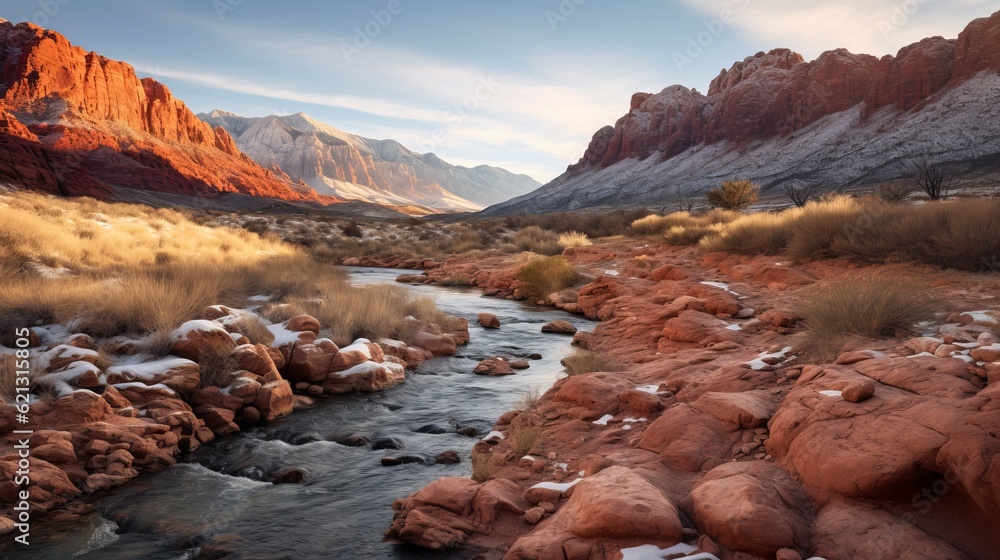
840,120
77,123
338,163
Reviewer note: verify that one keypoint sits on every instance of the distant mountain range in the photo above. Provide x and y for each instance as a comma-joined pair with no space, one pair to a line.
340,164
75,123
841,121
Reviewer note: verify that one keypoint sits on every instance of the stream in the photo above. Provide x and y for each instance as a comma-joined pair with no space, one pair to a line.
214,505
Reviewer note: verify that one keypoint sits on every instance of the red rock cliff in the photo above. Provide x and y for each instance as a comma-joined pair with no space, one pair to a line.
776,93
76,123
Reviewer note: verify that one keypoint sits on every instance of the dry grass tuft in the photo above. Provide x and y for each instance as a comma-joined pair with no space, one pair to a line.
217,368
683,236
537,240
870,306
483,466
254,329
523,435
753,234
584,361
543,277
529,400
574,239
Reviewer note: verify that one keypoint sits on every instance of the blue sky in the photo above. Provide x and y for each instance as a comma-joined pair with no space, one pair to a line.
515,83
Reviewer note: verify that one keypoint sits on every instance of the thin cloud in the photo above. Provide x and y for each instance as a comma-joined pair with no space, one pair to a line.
377,107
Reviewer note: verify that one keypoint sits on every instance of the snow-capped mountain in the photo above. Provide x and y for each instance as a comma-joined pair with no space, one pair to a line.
841,121
337,163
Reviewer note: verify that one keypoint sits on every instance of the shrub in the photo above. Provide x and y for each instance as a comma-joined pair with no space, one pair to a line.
523,435
253,329
692,235
217,367
483,466
584,361
543,277
573,239
529,400
734,195
537,240
870,306
656,225
754,234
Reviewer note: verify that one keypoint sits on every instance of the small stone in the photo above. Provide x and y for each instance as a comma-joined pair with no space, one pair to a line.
535,356
489,321
708,545
559,327
552,455
288,476
534,515
316,390
468,431
858,391
448,458
788,554
549,507
251,414
520,364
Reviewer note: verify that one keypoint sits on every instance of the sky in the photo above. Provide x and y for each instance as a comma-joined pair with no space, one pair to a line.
514,83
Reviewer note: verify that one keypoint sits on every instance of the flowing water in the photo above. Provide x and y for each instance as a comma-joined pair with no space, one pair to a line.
215,505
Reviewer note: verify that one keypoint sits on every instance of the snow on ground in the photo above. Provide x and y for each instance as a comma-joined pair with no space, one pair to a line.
838,394
603,421
653,552
149,370
760,364
721,286
557,486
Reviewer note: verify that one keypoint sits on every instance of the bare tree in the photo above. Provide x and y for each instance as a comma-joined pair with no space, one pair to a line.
684,201
799,195
932,179
893,191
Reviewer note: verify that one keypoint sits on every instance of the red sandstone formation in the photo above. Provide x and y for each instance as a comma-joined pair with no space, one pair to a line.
77,123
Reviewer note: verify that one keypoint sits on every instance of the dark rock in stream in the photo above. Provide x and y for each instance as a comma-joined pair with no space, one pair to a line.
354,440
288,476
387,443
305,438
448,458
394,461
468,431
433,429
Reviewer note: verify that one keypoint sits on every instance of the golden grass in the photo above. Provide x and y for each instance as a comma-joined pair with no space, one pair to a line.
734,195
574,239
254,329
962,234
658,225
216,366
483,466
537,240
135,270
584,361
529,400
761,233
523,435
680,235
870,306
543,277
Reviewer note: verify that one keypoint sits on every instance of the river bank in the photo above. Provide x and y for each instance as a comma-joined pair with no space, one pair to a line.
716,432
220,499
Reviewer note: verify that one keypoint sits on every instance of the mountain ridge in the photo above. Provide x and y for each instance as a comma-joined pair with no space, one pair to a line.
77,123
779,120
346,165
